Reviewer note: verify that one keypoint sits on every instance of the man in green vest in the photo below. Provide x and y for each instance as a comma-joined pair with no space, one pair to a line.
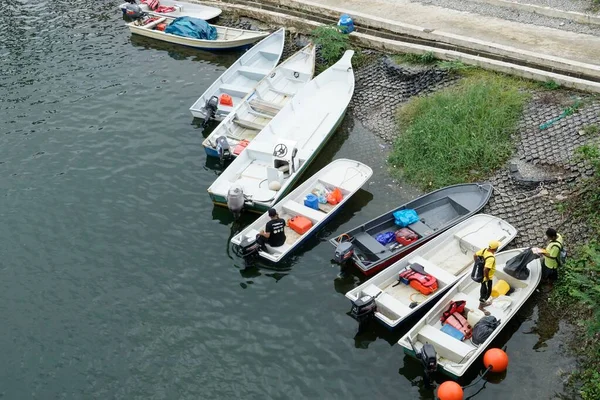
552,256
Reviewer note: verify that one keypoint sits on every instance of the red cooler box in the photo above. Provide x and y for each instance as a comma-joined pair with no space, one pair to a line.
406,236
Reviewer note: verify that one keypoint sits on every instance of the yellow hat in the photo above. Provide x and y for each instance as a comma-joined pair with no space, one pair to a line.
494,244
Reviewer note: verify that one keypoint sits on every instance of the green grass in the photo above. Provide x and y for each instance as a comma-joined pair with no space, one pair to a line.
550,85
459,134
591,129
579,284
332,42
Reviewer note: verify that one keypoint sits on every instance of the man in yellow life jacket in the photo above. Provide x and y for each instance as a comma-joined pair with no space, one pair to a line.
489,269
551,258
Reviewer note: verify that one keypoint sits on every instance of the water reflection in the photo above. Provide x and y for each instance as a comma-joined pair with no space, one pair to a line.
177,52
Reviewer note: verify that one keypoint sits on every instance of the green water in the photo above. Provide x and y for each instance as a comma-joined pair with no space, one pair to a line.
116,279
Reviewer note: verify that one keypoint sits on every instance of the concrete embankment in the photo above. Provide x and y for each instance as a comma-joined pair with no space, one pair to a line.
533,52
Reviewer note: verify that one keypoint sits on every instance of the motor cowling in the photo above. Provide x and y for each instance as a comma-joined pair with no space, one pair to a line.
235,199
428,357
223,148
343,252
363,308
133,11
249,247
210,107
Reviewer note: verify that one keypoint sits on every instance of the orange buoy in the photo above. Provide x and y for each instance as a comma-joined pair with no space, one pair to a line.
226,100
496,359
450,390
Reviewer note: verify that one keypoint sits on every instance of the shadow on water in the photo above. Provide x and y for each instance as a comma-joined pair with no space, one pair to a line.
177,52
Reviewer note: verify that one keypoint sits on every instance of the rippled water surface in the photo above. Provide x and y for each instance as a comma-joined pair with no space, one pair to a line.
116,280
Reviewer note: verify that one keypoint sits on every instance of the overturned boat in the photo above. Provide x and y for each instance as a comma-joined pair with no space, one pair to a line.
436,212
421,277
453,355
303,212
276,158
240,79
257,109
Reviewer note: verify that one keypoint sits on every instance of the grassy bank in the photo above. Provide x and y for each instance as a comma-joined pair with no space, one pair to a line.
578,288
459,134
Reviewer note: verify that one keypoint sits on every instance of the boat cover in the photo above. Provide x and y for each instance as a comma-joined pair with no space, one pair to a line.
194,28
517,266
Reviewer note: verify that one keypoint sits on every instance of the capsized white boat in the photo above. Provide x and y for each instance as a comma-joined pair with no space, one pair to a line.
455,356
447,257
227,38
347,175
259,107
179,9
268,168
241,78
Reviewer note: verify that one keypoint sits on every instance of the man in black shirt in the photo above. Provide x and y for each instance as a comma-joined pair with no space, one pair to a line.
274,233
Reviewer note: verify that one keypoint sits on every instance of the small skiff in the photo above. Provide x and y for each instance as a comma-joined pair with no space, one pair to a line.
437,211
272,163
259,107
227,38
347,175
455,356
241,78
180,9
446,257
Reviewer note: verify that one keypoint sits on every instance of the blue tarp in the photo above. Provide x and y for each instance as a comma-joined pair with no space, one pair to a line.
194,28
405,217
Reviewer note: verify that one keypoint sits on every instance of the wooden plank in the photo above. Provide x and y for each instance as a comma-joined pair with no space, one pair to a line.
248,124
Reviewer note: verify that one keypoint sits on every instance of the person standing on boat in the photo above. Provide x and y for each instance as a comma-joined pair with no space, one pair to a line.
552,255
274,233
489,269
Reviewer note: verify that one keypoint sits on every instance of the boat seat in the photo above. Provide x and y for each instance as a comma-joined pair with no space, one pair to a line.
244,123
281,91
269,55
391,304
265,106
278,250
300,209
439,273
445,345
370,290
235,90
253,73
421,229
372,245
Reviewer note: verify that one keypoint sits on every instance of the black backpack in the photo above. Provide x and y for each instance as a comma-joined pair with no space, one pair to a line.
477,273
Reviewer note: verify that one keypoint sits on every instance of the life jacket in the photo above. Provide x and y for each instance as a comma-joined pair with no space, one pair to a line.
165,9
454,306
459,322
424,283
152,4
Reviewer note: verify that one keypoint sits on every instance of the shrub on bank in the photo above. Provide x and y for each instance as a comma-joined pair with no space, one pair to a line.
459,134
579,284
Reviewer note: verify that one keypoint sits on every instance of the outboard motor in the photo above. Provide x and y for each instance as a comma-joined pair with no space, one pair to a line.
343,252
235,200
249,247
133,11
428,358
223,149
363,309
211,109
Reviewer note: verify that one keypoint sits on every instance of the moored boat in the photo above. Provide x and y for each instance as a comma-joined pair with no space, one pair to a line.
240,79
446,258
436,211
346,175
455,356
272,163
170,8
257,109
227,38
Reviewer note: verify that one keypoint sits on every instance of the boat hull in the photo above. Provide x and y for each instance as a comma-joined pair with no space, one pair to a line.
212,45
189,9
263,207
390,258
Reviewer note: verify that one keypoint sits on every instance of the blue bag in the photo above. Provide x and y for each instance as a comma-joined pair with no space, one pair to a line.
452,331
385,238
405,217
194,28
